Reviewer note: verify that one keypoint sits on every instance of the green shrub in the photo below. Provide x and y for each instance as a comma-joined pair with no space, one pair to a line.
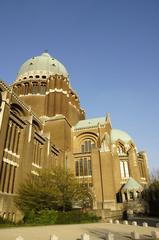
76,217
53,217
5,223
151,195
42,217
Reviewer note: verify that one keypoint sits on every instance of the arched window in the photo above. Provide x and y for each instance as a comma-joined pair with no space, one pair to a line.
120,149
87,146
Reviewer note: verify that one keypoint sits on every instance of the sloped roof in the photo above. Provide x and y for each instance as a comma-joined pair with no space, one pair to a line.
90,123
117,134
131,185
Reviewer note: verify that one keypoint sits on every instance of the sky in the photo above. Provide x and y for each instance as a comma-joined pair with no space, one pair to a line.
110,49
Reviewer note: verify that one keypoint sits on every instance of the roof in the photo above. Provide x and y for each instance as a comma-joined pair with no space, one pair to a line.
131,185
117,134
90,123
44,63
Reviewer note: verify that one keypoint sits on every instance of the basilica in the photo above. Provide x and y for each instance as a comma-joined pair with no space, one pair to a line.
42,125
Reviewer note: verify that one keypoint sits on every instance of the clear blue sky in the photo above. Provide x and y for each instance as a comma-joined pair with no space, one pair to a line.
111,51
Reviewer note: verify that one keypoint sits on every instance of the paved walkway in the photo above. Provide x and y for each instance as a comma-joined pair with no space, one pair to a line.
73,232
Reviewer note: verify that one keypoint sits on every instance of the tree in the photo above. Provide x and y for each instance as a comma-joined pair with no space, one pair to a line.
53,189
154,175
83,197
151,194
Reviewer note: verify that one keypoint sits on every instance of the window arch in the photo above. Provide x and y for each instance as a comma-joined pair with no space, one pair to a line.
16,109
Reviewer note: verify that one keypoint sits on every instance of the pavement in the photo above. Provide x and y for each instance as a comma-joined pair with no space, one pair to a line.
73,232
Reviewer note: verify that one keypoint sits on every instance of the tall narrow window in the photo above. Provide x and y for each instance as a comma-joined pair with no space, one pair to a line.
9,178
8,136
124,169
43,88
85,167
34,87
89,146
82,148
14,137
86,146
77,168
37,152
26,88
39,157
3,175
81,167
89,168
34,151
17,145
13,180
18,89
141,169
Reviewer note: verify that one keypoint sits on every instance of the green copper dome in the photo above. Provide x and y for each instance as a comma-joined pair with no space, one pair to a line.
44,64
117,134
